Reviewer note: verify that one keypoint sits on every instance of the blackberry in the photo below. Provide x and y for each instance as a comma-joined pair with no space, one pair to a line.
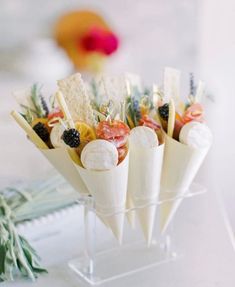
71,137
42,131
164,111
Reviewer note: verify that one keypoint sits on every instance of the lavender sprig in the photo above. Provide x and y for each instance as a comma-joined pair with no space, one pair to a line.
192,84
44,106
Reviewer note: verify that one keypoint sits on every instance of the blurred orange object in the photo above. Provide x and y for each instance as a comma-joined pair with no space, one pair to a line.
86,38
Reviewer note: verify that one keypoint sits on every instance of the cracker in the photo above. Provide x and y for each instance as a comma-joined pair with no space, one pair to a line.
77,99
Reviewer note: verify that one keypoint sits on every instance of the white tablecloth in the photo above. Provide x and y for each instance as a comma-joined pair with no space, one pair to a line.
200,231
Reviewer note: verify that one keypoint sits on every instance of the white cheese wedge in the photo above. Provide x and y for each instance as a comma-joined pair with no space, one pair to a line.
56,134
99,155
196,135
143,137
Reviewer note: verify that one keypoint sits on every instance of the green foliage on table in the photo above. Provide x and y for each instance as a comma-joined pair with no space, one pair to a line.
16,254
24,202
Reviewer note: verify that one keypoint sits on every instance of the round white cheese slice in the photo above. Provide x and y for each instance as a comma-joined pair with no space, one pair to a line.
143,137
196,135
99,155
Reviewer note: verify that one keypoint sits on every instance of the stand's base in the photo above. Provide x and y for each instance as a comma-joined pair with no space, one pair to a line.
121,261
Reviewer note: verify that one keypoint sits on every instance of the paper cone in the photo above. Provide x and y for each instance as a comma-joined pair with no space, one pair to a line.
181,164
131,214
144,183
61,160
109,189
146,217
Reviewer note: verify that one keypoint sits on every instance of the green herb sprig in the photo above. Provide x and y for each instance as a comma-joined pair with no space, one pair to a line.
133,112
16,254
38,101
38,107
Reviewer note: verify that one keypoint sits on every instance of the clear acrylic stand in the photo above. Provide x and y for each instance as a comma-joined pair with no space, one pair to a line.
111,260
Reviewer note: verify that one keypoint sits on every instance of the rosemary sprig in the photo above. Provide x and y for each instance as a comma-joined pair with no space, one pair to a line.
133,111
16,254
29,109
37,107
28,116
52,101
36,100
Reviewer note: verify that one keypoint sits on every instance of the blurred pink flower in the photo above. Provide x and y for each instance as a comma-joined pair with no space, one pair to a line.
110,43
92,40
98,40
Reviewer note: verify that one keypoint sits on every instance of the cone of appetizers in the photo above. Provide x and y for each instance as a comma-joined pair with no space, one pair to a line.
92,155
187,142
146,147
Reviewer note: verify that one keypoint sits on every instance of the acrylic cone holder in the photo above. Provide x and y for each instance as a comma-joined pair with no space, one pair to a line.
105,260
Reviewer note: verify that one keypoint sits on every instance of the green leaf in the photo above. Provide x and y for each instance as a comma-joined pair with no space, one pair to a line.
35,97
16,254
52,101
2,258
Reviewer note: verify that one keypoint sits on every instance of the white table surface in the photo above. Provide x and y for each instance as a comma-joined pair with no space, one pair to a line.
209,258
201,234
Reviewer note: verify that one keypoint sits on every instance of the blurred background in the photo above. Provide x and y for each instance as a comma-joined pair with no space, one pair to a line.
152,34
191,35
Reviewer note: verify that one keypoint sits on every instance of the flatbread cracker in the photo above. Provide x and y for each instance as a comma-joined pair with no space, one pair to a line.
77,99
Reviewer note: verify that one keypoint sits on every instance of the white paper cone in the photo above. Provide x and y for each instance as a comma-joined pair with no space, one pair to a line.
61,160
181,164
146,217
131,214
144,183
109,189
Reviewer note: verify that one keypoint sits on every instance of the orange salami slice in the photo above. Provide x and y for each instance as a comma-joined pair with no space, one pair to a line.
193,113
149,122
115,132
108,130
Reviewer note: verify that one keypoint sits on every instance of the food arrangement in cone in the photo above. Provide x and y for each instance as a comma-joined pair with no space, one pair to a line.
187,141
124,152
91,154
146,146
